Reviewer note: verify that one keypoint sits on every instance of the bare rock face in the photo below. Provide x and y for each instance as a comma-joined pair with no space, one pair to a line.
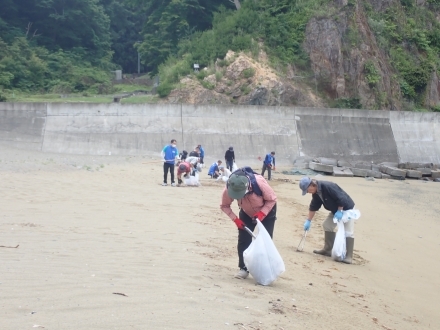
259,85
433,91
340,48
211,79
324,45
234,70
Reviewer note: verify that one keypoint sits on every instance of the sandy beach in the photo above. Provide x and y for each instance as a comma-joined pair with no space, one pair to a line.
102,245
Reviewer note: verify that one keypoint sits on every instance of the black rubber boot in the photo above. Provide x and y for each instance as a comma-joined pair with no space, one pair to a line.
349,241
329,239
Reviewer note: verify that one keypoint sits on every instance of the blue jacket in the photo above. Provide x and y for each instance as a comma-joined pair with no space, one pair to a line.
269,159
202,151
169,154
213,168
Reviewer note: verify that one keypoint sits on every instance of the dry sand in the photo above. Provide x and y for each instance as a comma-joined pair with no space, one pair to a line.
90,227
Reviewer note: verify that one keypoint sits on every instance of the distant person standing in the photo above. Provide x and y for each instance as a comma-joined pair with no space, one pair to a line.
202,153
169,154
268,164
230,158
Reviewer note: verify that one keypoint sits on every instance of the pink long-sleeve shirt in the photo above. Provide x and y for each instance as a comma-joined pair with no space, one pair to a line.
251,203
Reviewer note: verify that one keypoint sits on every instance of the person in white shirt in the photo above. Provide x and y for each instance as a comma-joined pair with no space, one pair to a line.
224,174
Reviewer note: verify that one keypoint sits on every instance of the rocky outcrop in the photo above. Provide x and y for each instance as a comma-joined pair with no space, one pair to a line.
347,61
348,68
244,81
433,91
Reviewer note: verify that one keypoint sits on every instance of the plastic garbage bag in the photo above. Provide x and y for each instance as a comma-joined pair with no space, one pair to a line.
349,215
234,167
339,246
262,259
192,180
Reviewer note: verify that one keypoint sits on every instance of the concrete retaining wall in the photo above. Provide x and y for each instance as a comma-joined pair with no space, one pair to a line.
353,135
22,124
417,136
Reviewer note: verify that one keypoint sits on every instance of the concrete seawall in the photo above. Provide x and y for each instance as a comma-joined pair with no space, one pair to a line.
123,129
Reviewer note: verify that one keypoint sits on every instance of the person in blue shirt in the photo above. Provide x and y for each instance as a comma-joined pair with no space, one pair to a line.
268,164
202,153
214,170
169,154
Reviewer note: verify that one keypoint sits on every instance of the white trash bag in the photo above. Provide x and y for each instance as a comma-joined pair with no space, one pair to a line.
339,246
262,259
192,180
234,167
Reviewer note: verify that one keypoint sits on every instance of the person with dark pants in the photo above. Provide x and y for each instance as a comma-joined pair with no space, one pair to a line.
202,153
169,154
230,158
256,200
269,165
244,239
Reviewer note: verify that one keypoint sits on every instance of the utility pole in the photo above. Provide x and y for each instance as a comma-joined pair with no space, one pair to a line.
139,57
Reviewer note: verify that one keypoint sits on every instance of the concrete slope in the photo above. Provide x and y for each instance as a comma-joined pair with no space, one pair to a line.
352,135
110,128
253,131
22,124
417,136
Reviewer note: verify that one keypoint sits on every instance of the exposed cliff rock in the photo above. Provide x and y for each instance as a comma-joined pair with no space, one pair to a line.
350,44
344,55
244,81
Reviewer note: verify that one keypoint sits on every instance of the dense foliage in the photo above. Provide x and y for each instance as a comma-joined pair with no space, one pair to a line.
66,46
72,46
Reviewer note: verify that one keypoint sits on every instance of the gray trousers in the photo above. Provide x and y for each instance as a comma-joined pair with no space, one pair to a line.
329,225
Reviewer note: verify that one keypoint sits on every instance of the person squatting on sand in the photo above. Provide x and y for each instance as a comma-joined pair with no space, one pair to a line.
256,200
169,154
335,200
214,169
184,167
224,174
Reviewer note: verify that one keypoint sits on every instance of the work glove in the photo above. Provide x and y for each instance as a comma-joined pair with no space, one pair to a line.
338,215
240,224
307,225
259,215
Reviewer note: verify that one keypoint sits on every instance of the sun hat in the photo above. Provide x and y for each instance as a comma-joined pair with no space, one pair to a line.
237,184
304,183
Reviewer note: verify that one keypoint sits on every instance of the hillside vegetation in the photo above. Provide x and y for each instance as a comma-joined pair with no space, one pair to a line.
373,54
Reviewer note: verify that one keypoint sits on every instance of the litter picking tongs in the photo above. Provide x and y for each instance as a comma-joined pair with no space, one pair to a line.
250,232
301,244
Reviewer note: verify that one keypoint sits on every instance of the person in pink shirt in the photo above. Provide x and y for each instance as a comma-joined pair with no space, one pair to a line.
256,200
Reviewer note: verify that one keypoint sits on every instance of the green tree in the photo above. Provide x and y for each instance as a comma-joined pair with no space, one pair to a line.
170,21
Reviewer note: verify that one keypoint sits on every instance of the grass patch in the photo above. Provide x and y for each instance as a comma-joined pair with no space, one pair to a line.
125,88
140,99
